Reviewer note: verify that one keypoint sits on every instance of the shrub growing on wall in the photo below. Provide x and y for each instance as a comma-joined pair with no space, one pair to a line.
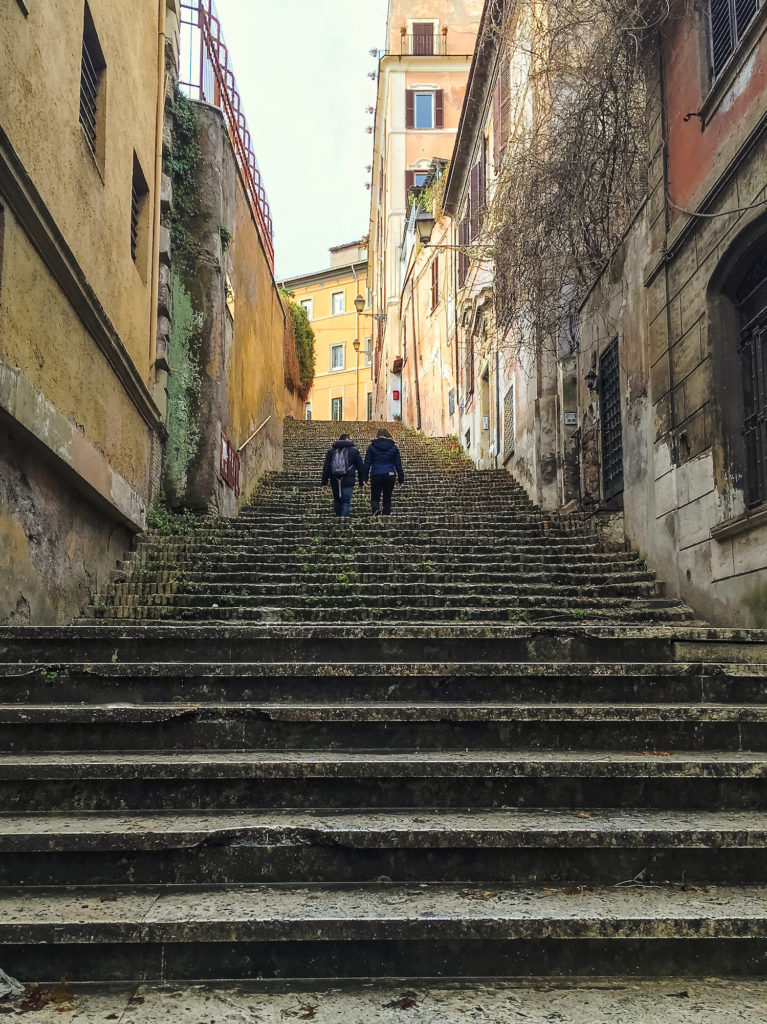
303,337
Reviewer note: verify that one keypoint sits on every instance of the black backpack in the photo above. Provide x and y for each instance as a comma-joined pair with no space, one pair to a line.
340,464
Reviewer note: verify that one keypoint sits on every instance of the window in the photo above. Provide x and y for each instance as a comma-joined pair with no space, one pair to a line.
501,112
423,38
92,69
337,303
610,417
368,351
369,410
463,259
336,357
729,20
434,283
307,411
423,109
138,216
751,302
414,179
508,424
336,409
308,305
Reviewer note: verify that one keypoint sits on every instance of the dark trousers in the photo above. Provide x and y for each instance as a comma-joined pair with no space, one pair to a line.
342,497
382,485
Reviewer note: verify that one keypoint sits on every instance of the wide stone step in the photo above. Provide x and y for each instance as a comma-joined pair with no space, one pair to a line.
681,1000
376,643
220,780
544,845
541,684
355,931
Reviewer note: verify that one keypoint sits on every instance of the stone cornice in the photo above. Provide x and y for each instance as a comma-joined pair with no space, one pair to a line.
17,189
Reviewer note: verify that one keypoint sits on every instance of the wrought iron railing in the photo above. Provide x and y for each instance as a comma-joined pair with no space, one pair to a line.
427,44
206,74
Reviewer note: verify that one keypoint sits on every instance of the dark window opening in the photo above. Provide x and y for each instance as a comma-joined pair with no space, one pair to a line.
611,428
729,20
751,300
434,283
91,73
463,257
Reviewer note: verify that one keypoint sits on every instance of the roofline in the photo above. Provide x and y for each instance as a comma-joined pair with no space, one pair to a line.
360,266
482,76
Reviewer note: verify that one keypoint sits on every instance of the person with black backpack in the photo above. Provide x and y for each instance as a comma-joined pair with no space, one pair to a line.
342,462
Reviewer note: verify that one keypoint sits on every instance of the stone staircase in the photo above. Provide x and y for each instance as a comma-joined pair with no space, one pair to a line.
463,742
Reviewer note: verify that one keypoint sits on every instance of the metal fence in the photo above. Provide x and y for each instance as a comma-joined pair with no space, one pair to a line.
206,74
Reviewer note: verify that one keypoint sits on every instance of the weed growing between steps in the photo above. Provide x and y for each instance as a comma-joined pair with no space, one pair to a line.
171,523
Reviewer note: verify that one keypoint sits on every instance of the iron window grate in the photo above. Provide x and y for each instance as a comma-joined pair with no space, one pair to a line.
610,414
729,20
134,213
91,70
508,424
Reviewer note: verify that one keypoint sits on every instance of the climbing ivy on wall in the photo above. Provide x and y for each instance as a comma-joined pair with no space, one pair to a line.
185,160
304,339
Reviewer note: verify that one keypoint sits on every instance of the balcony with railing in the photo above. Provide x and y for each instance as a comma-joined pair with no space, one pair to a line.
424,43
206,74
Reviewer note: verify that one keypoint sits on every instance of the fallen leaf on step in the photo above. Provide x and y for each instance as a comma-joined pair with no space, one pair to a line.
35,998
136,1001
678,995
405,1002
110,897
689,887
304,1011
576,890
584,814
477,894
656,753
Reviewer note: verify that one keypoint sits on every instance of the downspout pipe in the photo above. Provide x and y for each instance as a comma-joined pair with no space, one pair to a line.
159,119
415,359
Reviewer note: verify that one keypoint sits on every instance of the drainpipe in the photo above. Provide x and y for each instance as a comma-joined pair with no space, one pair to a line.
159,117
497,403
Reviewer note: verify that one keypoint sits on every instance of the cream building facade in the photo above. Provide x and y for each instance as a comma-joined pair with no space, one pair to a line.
421,82
342,388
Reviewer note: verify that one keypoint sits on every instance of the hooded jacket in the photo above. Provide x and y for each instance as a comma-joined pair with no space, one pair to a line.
382,459
355,464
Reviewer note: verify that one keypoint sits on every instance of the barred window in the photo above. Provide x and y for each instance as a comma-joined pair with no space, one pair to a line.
751,299
92,67
729,20
508,424
610,415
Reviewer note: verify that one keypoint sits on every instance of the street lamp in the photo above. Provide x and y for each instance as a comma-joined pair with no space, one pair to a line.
359,305
424,225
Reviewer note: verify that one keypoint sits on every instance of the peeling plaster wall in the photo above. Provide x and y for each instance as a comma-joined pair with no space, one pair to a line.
57,549
229,369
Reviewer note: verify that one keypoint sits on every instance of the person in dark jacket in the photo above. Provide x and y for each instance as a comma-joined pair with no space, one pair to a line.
344,453
383,468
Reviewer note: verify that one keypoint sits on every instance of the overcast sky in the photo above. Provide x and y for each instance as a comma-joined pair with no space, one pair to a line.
302,68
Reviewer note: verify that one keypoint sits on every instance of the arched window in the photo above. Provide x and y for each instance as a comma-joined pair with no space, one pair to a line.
751,302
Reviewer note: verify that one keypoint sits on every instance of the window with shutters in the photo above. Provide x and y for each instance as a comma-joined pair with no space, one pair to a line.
477,199
336,409
336,357
92,71
424,109
501,112
369,409
422,43
751,302
337,303
308,305
610,419
414,179
462,262
468,365
728,21
434,283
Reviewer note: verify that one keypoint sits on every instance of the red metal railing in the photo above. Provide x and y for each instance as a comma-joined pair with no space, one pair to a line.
206,74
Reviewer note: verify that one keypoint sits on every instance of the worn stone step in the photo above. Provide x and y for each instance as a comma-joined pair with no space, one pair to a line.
347,930
393,726
542,684
341,643
681,1000
605,846
218,780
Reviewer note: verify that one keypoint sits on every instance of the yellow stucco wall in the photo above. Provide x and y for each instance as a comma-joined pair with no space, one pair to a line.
256,370
340,329
39,111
